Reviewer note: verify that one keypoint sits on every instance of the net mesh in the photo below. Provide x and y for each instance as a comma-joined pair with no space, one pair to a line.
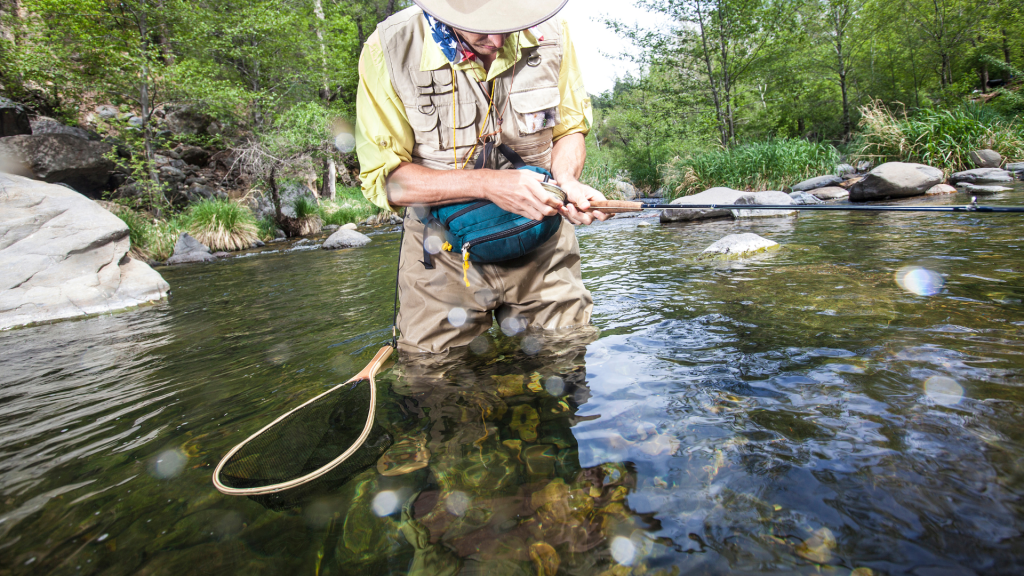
307,440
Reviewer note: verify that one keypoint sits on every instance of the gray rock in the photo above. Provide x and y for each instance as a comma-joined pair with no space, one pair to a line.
331,227
13,119
844,169
804,198
814,183
830,193
627,190
172,154
194,155
135,122
986,158
62,255
221,254
864,166
979,190
198,192
982,176
771,198
171,175
1015,167
659,193
188,120
279,234
940,189
258,244
896,180
345,239
643,223
187,249
718,195
64,158
107,112
349,226
738,246
44,125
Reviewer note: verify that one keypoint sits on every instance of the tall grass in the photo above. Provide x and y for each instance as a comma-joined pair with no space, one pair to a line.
150,240
770,165
599,171
940,138
222,224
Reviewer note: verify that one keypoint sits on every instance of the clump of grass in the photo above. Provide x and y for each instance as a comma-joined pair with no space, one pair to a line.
599,171
149,240
344,211
267,227
307,216
222,224
770,165
940,138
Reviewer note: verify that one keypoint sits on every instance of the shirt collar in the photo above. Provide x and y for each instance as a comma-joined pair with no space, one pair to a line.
434,59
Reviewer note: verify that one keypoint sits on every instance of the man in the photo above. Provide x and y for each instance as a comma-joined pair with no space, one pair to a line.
436,82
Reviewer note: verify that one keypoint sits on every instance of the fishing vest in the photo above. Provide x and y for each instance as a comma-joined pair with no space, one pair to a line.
439,124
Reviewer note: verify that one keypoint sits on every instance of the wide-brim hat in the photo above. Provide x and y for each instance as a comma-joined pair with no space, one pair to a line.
491,16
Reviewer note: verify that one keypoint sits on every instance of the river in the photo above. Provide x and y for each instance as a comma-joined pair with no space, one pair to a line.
849,404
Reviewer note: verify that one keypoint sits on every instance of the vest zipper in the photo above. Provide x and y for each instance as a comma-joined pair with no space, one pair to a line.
469,208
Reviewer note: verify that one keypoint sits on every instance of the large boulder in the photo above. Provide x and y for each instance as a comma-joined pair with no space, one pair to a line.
815,183
188,120
187,250
980,190
738,246
627,190
62,255
194,155
345,238
44,125
718,195
896,180
986,158
830,193
771,198
982,176
63,158
13,119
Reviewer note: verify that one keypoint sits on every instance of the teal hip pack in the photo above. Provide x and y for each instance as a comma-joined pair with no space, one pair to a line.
485,233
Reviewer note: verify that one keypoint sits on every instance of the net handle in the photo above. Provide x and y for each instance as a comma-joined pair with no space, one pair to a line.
368,373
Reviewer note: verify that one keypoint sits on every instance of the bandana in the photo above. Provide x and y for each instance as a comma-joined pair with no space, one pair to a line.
453,50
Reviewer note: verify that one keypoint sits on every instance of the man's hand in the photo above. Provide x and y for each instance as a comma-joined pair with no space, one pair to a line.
520,191
580,194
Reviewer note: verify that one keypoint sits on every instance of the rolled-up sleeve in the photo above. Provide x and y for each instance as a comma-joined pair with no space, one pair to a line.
574,111
384,138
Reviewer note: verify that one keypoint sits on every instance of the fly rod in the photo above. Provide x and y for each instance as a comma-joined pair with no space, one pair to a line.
620,206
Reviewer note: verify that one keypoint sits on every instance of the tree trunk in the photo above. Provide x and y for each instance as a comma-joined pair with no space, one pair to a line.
329,190
275,195
147,136
712,80
325,90
1006,48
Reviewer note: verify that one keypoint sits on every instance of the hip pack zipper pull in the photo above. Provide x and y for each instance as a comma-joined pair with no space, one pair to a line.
465,263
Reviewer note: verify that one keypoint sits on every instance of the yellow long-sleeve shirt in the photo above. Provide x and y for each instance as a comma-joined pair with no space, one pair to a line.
384,138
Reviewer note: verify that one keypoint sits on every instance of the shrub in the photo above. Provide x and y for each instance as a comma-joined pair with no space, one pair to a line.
222,224
940,138
267,227
599,171
350,206
770,165
149,240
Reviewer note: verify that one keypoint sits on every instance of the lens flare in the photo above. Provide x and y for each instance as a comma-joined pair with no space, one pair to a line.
555,386
433,244
345,142
513,325
480,345
457,316
457,503
531,345
920,281
623,550
385,503
168,464
943,390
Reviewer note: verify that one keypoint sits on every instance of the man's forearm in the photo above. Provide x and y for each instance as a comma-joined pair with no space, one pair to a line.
567,158
411,184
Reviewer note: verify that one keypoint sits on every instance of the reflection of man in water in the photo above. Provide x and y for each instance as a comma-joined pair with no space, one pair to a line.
503,491
438,88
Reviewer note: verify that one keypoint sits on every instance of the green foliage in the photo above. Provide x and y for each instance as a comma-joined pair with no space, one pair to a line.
940,138
267,227
305,206
346,209
150,240
771,165
599,170
222,224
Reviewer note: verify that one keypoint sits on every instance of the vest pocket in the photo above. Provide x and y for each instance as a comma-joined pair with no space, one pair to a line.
460,125
536,110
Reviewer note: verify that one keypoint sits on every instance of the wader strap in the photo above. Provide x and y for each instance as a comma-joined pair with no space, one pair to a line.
428,260
512,156
481,160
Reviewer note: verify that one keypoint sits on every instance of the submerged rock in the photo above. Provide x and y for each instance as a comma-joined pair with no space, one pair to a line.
738,246
804,198
981,190
896,180
187,249
819,182
830,193
345,238
986,158
982,176
62,256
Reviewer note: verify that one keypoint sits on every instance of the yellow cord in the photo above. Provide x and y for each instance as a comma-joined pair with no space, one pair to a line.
446,247
490,105
465,264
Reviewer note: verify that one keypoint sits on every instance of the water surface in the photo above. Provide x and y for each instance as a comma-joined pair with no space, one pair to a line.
798,412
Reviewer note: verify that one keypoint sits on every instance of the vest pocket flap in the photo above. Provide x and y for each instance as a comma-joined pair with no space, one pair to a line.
465,116
422,120
536,100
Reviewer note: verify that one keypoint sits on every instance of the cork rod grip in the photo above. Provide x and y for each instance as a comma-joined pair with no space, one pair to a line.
615,206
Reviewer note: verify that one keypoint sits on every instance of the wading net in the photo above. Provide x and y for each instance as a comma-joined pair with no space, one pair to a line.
323,442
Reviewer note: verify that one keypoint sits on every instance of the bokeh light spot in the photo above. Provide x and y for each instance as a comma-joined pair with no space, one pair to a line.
457,316
555,386
531,345
433,244
623,550
943,390
480,345
345,142
457,503
168,464
513,325
385,503
920,281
